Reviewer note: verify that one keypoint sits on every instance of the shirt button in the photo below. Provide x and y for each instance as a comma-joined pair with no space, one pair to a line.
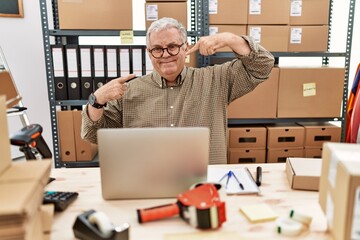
171,125
171,107
171,88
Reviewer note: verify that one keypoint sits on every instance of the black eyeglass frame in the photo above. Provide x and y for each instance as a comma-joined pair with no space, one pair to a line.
167,49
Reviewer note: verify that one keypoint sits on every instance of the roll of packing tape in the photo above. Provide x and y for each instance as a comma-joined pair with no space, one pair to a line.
288,227
300,217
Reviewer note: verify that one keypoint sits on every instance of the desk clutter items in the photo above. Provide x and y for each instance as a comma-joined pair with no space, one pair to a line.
60,200
235,181
339,193
201,207
21,189
294,224
303,173
95,225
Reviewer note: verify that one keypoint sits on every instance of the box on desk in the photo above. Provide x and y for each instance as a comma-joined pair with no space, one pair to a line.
303,173
22,185
343,201
332,155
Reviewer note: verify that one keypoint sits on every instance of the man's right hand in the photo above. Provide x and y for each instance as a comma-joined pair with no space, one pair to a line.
112,90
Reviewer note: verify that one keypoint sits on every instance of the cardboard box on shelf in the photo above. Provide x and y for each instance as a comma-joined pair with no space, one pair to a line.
332,154
95,14
274,38
269,12
260,103
285,135
219,28
313,152
317,133
248,137
228,12
343,202
310,92
308,38
278,155
157,10
243,155
307,12
303,173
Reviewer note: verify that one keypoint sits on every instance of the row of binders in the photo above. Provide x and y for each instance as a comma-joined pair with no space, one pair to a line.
79,70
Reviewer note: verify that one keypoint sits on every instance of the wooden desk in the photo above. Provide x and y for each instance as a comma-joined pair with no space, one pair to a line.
275,192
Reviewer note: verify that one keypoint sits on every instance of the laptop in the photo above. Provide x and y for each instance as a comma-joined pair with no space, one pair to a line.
139,163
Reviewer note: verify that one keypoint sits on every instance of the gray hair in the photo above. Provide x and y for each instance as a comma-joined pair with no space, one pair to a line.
164,24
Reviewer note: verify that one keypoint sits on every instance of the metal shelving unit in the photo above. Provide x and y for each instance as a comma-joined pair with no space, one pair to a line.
199,27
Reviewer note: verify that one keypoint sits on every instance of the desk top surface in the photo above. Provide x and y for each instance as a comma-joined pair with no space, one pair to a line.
275,191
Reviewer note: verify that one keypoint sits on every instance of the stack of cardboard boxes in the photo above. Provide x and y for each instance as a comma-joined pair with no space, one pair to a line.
21,186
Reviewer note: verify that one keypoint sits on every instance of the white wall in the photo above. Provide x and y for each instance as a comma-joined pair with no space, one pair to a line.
22,42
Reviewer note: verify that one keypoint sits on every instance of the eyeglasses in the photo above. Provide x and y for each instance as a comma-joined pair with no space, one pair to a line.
172,49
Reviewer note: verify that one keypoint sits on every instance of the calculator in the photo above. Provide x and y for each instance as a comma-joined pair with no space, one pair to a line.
61,200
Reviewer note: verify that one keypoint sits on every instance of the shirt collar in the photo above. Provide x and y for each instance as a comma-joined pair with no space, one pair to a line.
161,82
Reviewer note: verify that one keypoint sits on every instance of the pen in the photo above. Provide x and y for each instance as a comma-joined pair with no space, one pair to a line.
240,184
258,176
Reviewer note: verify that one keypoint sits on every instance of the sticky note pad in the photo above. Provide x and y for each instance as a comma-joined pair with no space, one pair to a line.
258,213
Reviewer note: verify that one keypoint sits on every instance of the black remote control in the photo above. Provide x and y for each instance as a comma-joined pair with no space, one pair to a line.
61,200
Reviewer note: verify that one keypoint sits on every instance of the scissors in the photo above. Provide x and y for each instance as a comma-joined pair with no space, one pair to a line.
229,175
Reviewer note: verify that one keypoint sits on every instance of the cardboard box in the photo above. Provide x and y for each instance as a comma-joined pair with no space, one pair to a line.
66,136
343,210
317,133
303,173
307,12
243,155
260,103
278,155
166,1
269,12
236,29
310,92
274,38
157,10
228,12
95,14
308,38
249,137
23,182
85,151
333,153
313,152
8,88
285,135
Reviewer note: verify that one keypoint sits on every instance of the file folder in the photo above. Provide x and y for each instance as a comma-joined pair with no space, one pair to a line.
99,66
86,79
72,63
124,56
138,58
112,63
60,86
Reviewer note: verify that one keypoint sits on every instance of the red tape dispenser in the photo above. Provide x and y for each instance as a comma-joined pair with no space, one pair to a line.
200,207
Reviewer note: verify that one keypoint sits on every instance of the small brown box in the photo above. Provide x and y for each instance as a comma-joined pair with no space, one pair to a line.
236,29
228,12
260,103
313,152
308,38
248,137
316,134
278,155
274,38
66,136
309,12
303,173
243,155
157,10
269,12
285,136
95,14
310,92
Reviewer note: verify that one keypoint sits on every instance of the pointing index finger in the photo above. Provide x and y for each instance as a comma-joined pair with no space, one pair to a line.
126,78
193,49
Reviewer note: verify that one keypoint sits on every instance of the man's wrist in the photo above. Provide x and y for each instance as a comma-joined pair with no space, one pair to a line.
93,102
